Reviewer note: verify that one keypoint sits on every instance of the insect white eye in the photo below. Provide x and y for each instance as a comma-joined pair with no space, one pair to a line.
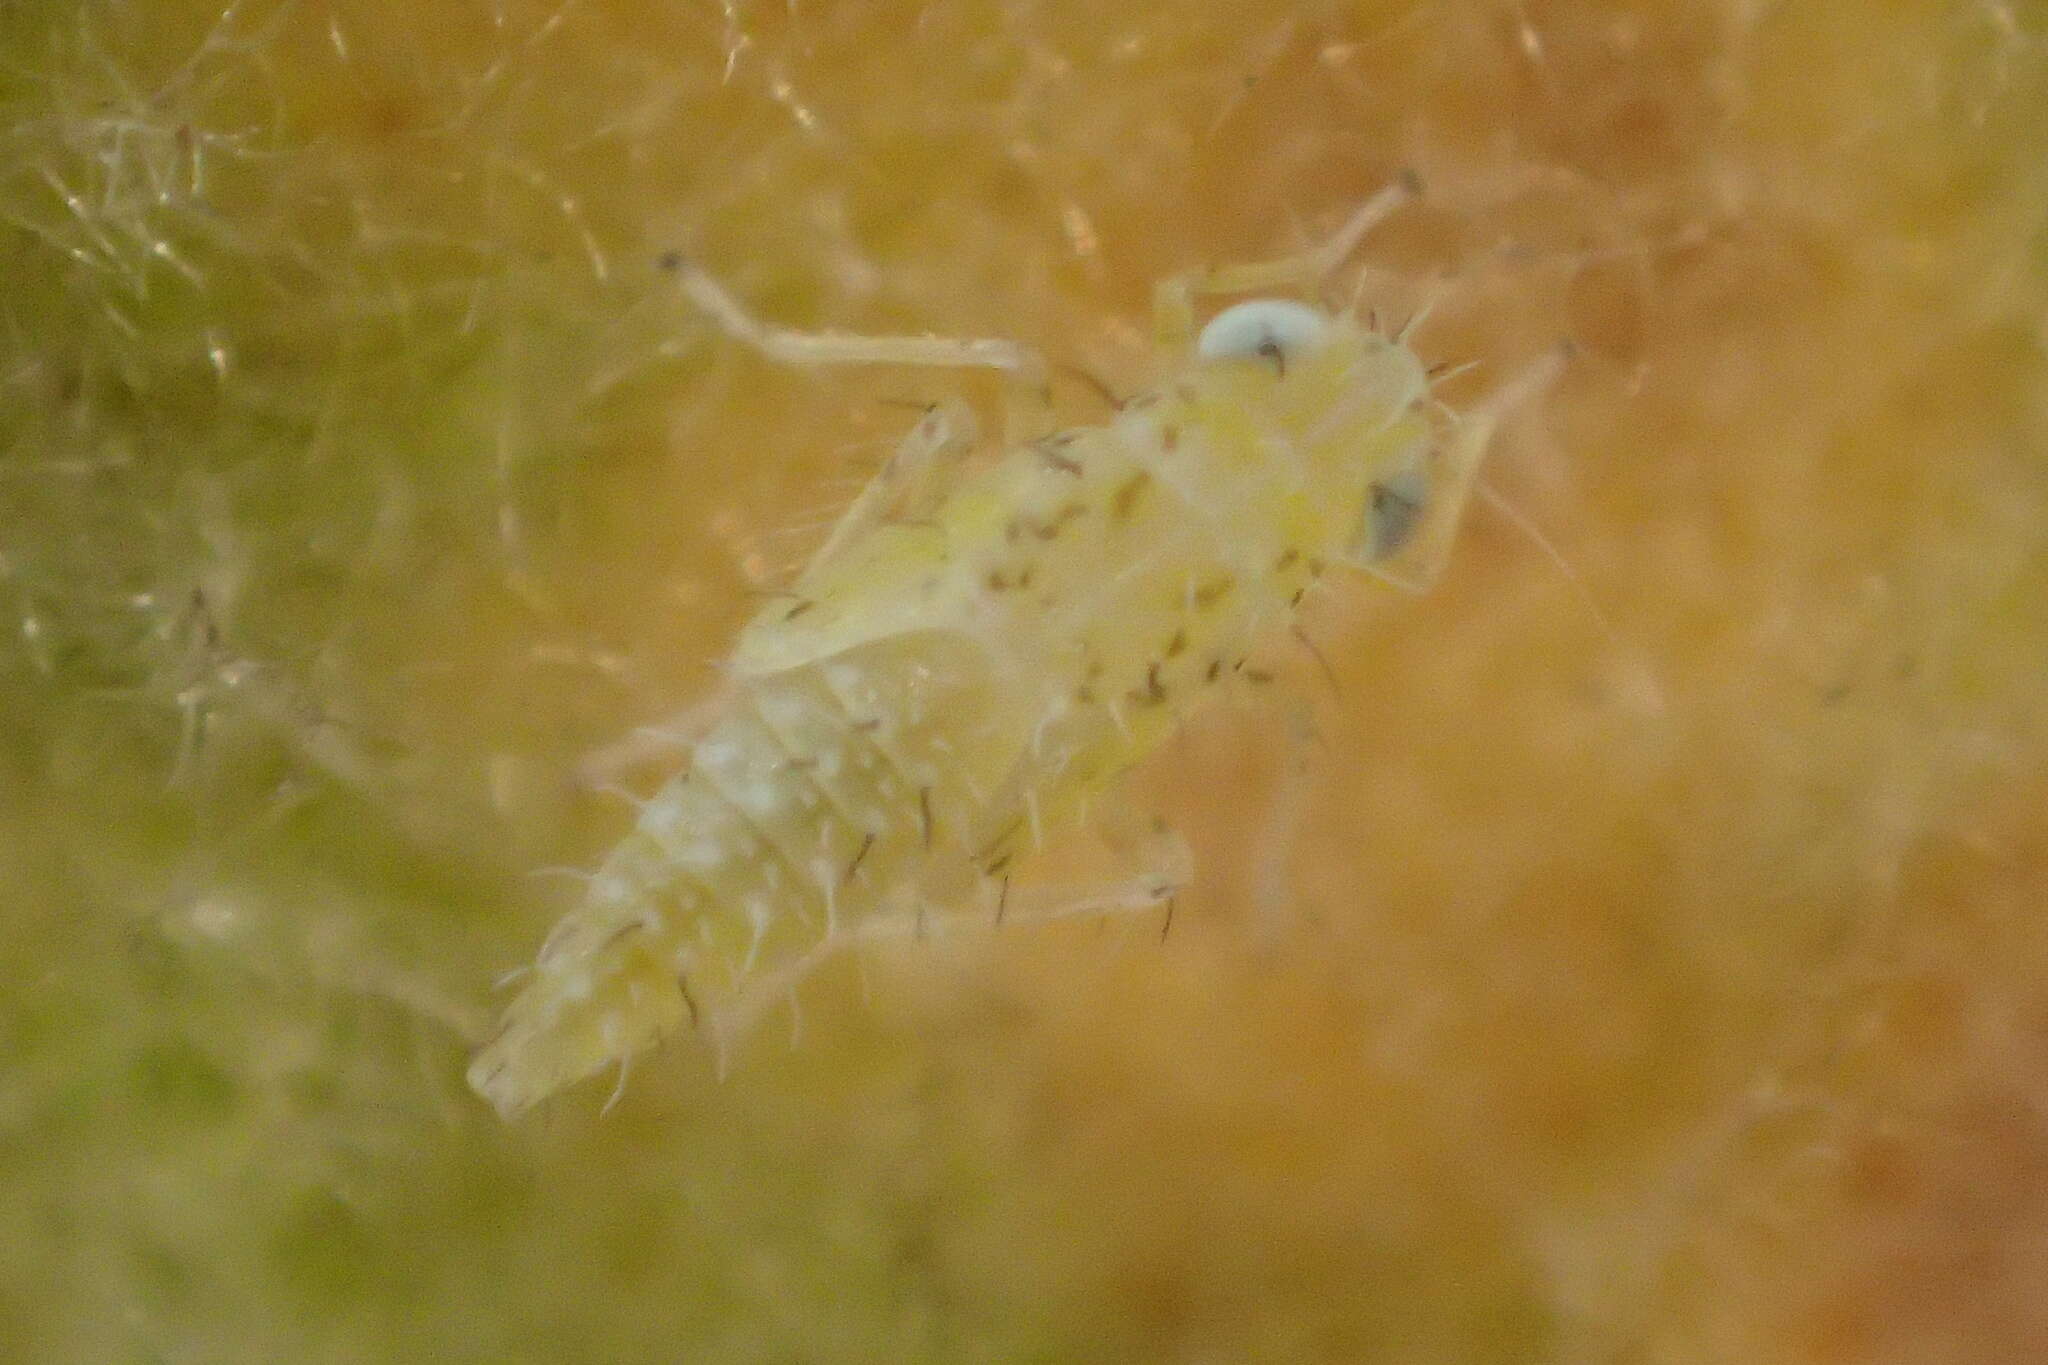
1270,327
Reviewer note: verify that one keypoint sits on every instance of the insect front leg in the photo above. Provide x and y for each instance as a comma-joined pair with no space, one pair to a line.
906,486
1415,513
1173,300
1028,392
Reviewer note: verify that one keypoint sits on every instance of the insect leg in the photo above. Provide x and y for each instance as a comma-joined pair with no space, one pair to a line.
1149,864
1156,853
940,439
1067,900
661,743
1173,299
1432,500
1021,364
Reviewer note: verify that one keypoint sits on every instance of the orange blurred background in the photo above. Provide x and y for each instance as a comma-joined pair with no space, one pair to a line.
1635,954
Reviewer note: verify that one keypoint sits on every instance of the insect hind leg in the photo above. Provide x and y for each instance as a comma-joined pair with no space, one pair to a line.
1173,299
1148,865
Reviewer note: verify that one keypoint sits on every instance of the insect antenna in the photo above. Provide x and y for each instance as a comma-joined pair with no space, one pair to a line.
1360,282
1443,372
1417,318
1517,519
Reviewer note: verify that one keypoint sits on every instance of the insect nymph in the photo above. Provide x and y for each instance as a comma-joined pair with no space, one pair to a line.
975,653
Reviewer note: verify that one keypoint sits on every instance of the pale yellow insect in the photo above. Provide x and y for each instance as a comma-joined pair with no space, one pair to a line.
974,654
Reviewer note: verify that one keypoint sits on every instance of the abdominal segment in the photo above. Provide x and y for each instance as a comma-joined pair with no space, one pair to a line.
815,800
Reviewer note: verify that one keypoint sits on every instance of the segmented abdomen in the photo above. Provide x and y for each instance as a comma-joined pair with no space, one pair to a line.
814,796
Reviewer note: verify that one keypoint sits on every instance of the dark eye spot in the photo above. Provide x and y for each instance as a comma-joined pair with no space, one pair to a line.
1395,511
